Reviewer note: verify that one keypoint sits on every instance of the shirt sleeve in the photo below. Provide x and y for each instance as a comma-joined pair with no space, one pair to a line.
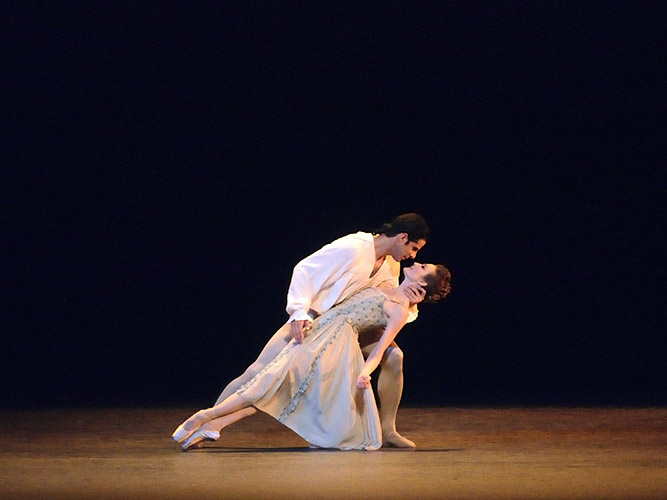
317,272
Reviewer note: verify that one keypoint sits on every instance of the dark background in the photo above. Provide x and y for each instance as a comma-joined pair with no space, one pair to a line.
167,164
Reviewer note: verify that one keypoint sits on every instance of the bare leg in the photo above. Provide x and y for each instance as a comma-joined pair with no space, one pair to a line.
206,424
270,351
210,431
217,424
390,390
232,404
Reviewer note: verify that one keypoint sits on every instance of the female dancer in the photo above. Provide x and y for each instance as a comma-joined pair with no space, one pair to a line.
320,388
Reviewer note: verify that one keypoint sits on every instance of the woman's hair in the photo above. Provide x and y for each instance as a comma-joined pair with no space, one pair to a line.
438,284
412,224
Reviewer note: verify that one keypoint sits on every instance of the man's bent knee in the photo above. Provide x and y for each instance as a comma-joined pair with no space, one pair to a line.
393,359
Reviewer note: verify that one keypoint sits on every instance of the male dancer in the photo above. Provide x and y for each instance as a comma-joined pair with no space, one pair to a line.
324,279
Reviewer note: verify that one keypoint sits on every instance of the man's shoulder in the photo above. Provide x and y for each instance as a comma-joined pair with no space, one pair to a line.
358,240
350,247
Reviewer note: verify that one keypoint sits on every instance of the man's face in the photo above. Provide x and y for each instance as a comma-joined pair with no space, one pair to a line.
405,249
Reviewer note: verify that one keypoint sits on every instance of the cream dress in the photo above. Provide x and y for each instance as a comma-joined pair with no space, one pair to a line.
311,387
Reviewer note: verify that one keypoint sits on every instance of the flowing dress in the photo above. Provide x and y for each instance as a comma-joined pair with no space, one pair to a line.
311,387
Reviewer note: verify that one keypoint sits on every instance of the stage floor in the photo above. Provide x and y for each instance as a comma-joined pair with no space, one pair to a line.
463,453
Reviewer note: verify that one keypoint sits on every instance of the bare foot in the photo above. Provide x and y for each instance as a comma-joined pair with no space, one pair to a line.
395,440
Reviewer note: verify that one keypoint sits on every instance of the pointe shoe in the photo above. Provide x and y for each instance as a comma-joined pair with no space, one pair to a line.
198,438
180,434
395,440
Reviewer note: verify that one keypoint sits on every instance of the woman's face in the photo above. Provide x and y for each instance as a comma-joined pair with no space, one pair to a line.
417,272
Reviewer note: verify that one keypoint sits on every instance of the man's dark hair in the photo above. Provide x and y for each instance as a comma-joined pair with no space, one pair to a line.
412,224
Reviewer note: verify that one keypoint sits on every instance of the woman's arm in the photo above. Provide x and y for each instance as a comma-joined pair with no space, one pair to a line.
397,315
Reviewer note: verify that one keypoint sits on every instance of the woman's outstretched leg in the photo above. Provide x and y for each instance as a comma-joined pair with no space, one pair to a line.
273,347
217,424
210,431
279,340
230,405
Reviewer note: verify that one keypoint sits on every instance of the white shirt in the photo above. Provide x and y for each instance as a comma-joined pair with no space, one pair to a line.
336,271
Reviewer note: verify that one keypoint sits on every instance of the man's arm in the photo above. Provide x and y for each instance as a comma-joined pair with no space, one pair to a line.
314,273
300,293
414,292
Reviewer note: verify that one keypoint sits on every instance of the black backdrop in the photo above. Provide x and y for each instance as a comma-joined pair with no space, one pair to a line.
167,165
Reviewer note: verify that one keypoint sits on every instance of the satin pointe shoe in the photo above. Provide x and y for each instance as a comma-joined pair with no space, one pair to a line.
199,437
180,434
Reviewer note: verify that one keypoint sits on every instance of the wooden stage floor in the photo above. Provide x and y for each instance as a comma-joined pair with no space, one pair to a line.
463,453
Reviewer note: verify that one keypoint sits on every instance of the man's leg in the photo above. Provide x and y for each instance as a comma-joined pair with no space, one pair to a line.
390,390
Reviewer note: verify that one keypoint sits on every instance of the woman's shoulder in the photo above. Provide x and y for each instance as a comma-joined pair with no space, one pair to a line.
394,297
396,310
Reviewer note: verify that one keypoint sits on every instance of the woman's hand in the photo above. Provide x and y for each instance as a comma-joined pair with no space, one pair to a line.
364,381
299,329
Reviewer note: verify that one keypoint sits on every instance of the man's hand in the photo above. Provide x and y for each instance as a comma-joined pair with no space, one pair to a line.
364,381
298,330
415,293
